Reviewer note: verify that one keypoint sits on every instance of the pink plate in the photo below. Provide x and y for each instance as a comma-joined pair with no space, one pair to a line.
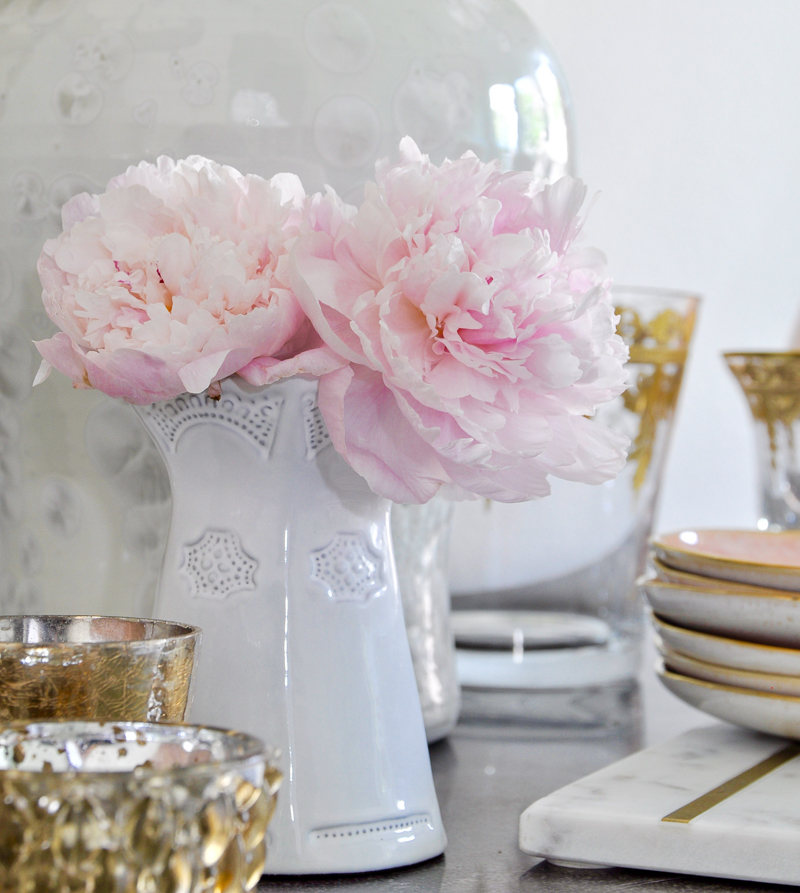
757,557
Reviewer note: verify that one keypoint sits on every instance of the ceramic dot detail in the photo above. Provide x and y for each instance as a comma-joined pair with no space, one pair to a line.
384,829
316,431
349,568
216,565
254,418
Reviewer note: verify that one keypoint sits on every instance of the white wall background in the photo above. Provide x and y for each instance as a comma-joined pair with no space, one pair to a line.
688,123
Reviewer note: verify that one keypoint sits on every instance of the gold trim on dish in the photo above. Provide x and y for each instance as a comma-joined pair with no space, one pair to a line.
698,806
657,620
704,670
742,590
724,689
665,573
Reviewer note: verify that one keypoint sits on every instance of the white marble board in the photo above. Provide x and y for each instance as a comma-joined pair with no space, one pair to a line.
615,816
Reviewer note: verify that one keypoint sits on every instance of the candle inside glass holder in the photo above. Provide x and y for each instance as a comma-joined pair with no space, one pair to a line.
132,806
98,668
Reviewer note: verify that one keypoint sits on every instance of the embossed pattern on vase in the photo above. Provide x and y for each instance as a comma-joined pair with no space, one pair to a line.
253,418
349,568
217,565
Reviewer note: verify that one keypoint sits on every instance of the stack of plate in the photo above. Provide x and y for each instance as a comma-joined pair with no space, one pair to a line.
726,607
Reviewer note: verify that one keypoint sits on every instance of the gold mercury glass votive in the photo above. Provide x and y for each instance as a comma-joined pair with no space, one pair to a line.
771,384
99,668
132,807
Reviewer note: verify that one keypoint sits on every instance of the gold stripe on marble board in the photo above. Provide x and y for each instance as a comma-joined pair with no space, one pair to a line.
732,786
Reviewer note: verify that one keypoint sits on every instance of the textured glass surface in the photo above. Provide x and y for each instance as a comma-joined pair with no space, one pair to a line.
132,806
100,668
420,537
319,88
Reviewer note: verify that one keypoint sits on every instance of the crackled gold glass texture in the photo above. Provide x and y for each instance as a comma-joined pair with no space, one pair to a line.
98,668
771,385
132,808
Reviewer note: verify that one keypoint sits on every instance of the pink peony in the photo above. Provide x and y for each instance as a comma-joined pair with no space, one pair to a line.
477,336
174,278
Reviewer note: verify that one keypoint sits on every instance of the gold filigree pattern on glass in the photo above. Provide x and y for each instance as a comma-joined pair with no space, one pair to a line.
658,347
133,807
100,668
771,385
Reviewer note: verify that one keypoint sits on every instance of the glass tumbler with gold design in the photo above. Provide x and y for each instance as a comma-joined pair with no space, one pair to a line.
771,384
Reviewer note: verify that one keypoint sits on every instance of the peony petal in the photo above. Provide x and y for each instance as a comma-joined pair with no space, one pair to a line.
42,373
318,281
316,362
77,209
60,353
368,429
198,375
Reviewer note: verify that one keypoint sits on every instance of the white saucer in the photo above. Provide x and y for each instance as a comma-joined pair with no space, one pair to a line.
700,669
760,558
728,652
768,616
774,714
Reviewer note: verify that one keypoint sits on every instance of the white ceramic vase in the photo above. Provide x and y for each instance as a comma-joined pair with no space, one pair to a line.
281,553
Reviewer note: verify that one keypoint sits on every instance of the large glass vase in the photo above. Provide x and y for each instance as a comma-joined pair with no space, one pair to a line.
323,89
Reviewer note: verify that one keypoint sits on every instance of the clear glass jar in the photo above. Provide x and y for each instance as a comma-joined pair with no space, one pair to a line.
544,593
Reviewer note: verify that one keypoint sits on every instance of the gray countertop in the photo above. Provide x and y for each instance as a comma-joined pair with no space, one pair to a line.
487,772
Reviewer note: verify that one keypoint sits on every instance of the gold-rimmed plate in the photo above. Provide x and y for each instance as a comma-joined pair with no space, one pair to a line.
750,656
767,616
758,710
700,669
698,581
755,557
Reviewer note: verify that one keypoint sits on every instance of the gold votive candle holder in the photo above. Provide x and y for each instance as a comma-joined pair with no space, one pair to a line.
770,381
98,668
88,807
